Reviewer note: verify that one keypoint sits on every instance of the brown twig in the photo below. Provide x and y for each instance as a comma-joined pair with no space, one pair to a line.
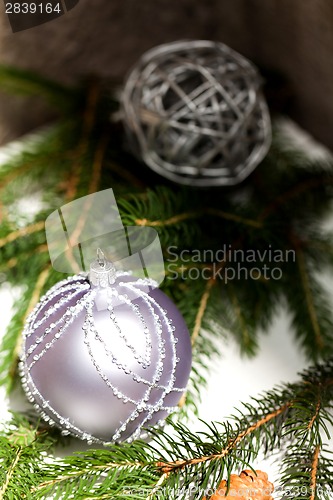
41,280
314,470
167,222
10,473
168,467
239,315
201,311
20,233
316,414
309,298
292,193
88,124
197,214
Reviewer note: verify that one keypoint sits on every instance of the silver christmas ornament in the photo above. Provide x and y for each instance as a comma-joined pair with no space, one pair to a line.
105,357
194,113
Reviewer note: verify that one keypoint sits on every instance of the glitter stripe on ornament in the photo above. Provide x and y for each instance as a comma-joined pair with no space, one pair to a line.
52,326
74,312
58,288
145,360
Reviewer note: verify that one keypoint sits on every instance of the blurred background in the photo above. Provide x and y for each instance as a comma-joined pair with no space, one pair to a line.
290,40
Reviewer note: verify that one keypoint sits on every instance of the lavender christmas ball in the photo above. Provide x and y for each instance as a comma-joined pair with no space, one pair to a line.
102,363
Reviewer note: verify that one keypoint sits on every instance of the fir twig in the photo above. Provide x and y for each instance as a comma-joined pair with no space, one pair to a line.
173,462
201,311
314,471
281,209
24,82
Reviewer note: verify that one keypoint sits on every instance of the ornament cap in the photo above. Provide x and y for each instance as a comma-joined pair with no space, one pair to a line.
102,272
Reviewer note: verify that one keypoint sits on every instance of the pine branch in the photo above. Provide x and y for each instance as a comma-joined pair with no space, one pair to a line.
157,209
19,233
177,460
22,450
241,327
281,209
23,82
308,302
10,472
307,474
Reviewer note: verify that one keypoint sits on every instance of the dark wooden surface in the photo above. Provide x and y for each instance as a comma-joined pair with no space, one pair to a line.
293,37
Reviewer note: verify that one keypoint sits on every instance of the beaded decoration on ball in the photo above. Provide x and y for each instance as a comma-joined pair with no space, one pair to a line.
105,357
194,112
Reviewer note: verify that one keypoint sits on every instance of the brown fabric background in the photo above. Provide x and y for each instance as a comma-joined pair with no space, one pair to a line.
107,36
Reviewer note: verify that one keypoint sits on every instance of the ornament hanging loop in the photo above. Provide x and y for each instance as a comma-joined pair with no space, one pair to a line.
102,272
101,258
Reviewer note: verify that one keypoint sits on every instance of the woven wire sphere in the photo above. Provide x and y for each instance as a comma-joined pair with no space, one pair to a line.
194,113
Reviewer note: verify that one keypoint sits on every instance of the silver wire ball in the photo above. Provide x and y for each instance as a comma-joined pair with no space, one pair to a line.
194,113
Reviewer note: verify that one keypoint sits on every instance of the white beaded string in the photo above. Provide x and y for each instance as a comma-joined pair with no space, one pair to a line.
71,314
68,313
143,360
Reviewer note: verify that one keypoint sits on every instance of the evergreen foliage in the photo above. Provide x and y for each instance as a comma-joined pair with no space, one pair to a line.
281,208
